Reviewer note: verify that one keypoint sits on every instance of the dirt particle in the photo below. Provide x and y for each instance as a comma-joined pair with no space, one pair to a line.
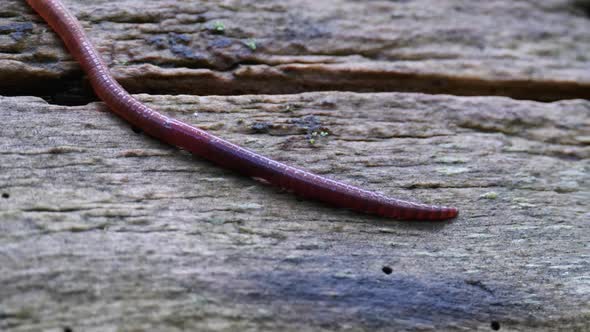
260,127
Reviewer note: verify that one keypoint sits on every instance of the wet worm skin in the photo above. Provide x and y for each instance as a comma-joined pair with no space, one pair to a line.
222,152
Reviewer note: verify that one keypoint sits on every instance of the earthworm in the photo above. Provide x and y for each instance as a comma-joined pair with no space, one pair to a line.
215,149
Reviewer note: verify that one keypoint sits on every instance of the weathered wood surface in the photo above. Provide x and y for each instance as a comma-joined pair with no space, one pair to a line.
523,49
105,229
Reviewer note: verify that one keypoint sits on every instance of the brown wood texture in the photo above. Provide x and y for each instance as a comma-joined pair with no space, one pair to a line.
105,229
524,49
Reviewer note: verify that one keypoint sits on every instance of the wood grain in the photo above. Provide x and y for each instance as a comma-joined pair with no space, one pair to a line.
105,228
522,49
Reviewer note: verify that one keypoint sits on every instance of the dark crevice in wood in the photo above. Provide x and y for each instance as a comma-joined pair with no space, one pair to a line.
75,90
70,91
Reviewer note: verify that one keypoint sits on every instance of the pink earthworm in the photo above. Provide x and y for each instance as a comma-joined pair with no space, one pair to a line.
222,152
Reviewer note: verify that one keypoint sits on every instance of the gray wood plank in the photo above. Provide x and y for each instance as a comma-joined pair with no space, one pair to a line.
523,49
104,229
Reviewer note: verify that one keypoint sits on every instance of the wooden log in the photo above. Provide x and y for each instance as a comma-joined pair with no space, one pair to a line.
526,50
104,228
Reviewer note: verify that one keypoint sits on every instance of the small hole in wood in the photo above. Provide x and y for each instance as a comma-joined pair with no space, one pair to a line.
387,270
68,329
136,130
495,325
5,195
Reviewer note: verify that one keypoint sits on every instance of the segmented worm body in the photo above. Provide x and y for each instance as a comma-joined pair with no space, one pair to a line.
220,151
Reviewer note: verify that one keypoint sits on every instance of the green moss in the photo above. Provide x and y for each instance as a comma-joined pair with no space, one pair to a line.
251,43
314,136
452,170
489,195
121,62
218,27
